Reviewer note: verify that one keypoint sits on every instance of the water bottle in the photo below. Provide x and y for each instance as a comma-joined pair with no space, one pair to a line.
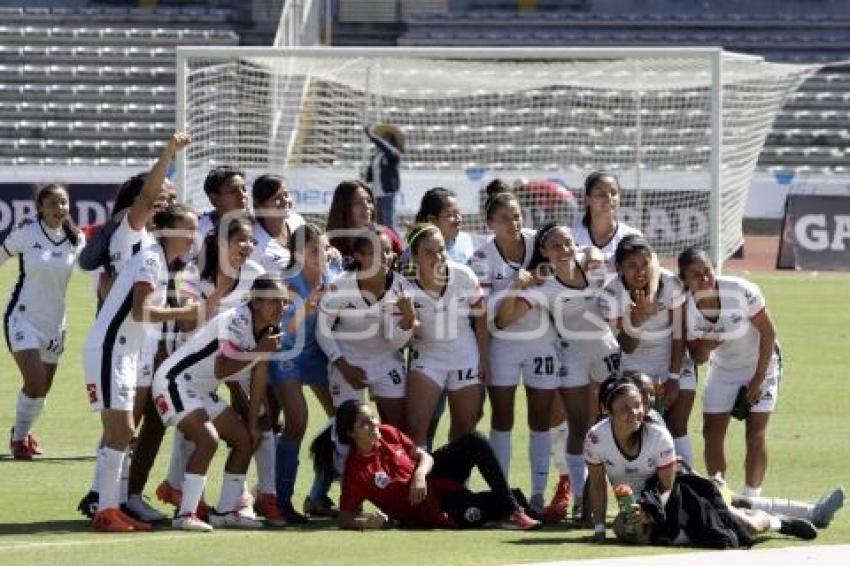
625,500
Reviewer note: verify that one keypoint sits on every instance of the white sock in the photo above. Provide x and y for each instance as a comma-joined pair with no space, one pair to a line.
500,440
177,462
232,486
265,458
775,523
539,446
578,472
780,506
684,449
109,461
27,411
95,481
125,479
193,490
750,491
559,435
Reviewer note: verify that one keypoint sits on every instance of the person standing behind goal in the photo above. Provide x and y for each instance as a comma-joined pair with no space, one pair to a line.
383,170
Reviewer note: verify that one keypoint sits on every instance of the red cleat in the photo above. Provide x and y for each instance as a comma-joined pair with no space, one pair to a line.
35,447
167,493
112,521
563,493
265,505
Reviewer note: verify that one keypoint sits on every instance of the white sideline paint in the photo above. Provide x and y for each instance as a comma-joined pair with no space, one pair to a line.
107,538
791,556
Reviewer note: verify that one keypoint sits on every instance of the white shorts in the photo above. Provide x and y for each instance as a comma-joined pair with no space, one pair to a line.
174,400
110,378
387,379
723,384
537,363
687,376
146,369
583,361
22,335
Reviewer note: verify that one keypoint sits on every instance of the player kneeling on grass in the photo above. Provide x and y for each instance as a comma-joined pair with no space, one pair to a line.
411,486
672,508
184,390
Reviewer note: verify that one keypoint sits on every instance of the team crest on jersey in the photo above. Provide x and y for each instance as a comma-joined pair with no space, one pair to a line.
37,246
479,254
91,389
472,515
650,462
736,317
593,438
19,336
161,404
382,480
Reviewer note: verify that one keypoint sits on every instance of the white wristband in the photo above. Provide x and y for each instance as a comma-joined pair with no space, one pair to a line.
673,376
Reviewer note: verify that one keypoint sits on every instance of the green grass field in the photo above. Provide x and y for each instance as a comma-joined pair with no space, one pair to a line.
39,524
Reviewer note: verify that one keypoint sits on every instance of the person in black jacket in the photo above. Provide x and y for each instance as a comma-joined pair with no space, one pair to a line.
383,169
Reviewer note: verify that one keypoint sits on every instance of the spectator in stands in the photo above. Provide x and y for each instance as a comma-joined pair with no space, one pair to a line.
383,169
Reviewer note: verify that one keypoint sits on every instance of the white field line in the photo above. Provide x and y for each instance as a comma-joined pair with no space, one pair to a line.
106,538
791,556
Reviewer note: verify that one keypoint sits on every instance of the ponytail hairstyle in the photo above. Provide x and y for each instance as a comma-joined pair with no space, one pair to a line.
688,256
612,388
499,195
590,182
414,239
68,227
434,202
346,416
543,233
128,191
299,239
167,219
209,260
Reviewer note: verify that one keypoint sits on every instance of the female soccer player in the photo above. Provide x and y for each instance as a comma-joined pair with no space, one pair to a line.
224,282
275,222
730,327
353,210
639,454
413,487
34,322
439,207
303,363
236,340
135,301
527,349
588,350
364,318
645,306
446,351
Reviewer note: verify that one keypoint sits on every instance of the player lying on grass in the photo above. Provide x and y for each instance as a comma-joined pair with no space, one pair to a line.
673,507
411,486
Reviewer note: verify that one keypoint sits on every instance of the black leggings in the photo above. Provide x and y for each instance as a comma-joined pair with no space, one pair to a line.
455,461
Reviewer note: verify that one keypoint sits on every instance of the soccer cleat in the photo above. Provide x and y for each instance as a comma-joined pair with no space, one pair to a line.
112,521
35,447
554,513
520,521
139,509
167,493
826,507
88,504
204,511
563,493
291,516
265,505
324,507
799,528
140,526
234,520
20,450
191,522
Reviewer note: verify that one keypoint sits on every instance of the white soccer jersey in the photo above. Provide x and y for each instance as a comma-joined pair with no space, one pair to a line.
656,452
652,354
270,253
125,243
445,337
114,324
362,332
583,239
231,332
494,272
46,259
740,301
199,289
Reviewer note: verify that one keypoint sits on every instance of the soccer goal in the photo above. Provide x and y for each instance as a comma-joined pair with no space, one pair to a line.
681,127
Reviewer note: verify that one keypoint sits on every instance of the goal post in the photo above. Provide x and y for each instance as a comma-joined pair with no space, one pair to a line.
681,127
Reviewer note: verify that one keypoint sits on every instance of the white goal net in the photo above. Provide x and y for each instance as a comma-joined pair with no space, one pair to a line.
682,128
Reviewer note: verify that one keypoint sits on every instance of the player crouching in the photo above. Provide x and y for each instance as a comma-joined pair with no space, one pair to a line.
184,390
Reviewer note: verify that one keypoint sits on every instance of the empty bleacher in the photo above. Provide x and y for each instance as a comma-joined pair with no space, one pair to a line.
94,85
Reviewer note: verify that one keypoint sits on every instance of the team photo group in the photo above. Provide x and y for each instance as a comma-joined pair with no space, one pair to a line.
212,326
